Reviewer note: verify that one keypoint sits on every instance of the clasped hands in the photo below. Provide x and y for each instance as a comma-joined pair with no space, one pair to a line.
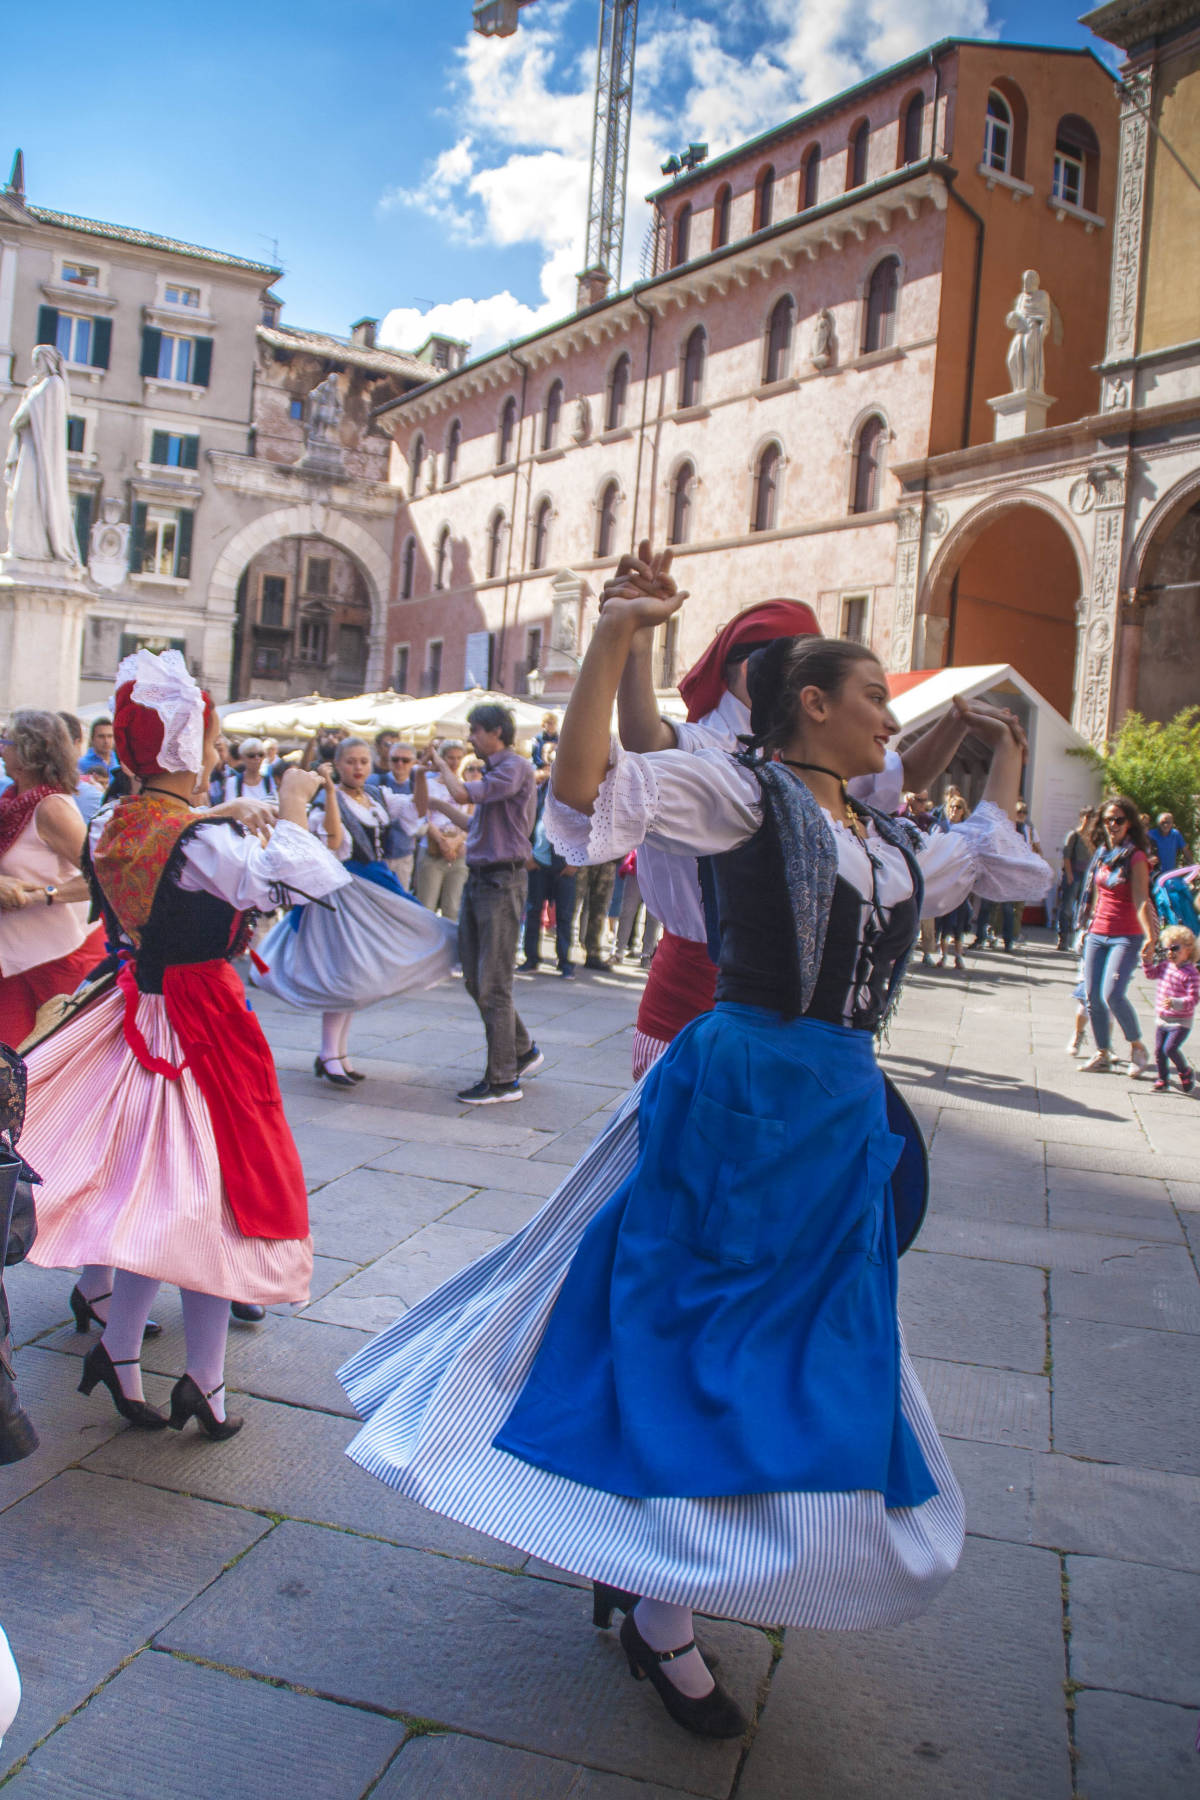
641,592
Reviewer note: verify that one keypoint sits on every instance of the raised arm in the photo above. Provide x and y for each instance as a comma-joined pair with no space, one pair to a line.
640,724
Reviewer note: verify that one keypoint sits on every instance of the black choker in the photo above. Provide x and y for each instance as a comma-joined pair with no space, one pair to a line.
853,817
167,794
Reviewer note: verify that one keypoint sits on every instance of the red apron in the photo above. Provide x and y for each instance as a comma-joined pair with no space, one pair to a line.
682,984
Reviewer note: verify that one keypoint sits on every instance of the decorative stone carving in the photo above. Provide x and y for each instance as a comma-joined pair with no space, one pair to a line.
108,549
41,529
1099,608
1116,393
1029,319
322,416
1128,231
908,564
937,521
582,429
1082,497
560,663
824,340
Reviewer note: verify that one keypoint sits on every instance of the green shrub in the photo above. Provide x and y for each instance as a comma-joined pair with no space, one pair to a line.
1158,766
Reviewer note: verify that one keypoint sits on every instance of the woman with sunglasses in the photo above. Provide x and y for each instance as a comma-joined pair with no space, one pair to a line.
1121,919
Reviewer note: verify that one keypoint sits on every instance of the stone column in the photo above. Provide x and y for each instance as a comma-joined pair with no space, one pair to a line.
1128,229
41,636
908,575
1098,609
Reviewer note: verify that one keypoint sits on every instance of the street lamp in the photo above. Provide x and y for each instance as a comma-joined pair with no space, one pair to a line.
535,683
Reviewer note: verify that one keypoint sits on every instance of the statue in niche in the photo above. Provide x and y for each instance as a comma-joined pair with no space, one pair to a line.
822,352
108,557
583,420
1033,314
324,411
41,525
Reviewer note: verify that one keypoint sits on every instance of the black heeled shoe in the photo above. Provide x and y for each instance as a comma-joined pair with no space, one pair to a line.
607,1600
247,1312
86,1315
354,1074
187,1402
99,1366
322,1071
715,1715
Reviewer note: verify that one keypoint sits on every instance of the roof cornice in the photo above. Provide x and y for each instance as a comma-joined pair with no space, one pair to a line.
148,240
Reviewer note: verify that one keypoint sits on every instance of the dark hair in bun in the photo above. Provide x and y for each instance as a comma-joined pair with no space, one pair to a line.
777,675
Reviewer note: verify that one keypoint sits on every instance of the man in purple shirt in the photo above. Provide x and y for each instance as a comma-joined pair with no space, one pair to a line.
493,903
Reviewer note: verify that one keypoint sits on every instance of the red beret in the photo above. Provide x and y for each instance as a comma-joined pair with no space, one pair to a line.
704,683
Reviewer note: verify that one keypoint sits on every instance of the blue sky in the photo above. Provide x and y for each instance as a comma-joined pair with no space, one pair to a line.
404,167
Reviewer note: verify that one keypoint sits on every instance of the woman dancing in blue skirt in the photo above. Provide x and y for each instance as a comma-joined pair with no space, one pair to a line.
685,1378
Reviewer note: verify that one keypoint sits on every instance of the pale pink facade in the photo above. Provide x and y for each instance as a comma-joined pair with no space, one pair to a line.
503,543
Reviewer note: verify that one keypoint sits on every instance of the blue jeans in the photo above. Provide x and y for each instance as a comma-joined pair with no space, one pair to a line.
1068,900
548,882
1108,965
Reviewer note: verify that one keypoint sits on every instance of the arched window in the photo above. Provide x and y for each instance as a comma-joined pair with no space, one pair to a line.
441,567
683,232
541,534
416,458
618,393
721,210
912,142
766,488
551,415
879,314
681,503
1076,163
507,432
495,543
779,339
691,384
606,522
408,568
764,198
868,465
453,445
998,134
856,157
810,177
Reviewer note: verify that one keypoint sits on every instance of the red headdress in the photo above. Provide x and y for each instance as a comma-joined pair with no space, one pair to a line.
160,715
704,682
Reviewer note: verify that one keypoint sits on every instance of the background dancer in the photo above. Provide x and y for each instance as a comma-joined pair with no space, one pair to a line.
154,1115
684,1378
375,941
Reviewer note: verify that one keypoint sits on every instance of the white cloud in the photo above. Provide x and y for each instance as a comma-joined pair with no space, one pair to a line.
517,173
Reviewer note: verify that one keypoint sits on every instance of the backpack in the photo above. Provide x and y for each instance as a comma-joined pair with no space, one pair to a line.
1174,901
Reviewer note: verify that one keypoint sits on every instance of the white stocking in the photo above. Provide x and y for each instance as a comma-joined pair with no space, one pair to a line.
205,1327
96,1283
128,1310
667,1627
335,1028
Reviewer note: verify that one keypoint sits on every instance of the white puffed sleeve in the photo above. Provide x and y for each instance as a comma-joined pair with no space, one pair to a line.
234,866
690,804
985,855
316,824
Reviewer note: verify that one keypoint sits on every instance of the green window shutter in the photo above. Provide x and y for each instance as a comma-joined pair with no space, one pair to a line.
158,447
47,331
83,523
137,539
191,453
202,361
151,342
101,342
183,547
76,433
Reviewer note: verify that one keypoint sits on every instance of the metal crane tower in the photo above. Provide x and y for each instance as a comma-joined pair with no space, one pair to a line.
611,117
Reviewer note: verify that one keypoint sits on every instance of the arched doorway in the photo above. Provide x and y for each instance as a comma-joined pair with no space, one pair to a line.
303,622
1168,612
1004,589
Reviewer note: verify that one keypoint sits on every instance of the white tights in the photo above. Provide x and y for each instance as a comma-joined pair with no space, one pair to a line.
205,1328
668,1627
335,1038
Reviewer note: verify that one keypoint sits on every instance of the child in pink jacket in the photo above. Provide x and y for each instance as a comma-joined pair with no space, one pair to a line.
1178,983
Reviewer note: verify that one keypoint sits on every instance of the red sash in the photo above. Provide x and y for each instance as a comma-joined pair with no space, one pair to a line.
682,984
226,1051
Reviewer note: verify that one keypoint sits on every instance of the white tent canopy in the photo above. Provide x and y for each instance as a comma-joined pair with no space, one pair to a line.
1057,784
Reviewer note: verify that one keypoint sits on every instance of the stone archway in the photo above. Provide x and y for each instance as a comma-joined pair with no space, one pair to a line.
1160,649
1005,588
310,519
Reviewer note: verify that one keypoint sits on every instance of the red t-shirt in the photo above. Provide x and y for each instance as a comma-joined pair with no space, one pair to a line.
1115,914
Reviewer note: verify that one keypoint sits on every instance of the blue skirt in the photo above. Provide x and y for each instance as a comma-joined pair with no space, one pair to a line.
728,1322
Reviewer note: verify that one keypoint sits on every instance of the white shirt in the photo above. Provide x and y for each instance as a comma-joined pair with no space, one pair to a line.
233,866
379,807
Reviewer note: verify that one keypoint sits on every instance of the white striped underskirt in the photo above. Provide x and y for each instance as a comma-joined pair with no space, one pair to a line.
435,1387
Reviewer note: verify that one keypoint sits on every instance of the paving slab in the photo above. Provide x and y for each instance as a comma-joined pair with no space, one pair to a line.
90,1569
37,1300
372,1299
1107,1509
477,1128
360,1215
460,1645
470,1168
1125,1396
1151,1285
1126,1748
170,1728
1134,1628
1117,1206
452,1767
970,1311
1137,1161
495,1210
1034,1245
997,1405
966,1701
290,1462
327,1154
69,1426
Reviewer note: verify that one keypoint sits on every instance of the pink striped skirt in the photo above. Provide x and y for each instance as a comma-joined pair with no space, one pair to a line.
129,1166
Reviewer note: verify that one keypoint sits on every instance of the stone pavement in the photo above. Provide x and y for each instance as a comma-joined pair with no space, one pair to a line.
261,1618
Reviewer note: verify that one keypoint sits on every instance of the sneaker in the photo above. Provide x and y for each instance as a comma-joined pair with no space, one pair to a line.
1163,1087
530,1063
491,1093
1099,1063
596,962
1187,1080
527,967
1075,1043
567,970
1139,1061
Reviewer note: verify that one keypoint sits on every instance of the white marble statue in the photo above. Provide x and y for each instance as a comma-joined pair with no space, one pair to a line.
41,527
821,354
1032,316
324,410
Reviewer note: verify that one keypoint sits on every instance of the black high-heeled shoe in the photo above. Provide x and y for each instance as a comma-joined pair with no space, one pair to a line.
354,1074
187,1402
323,1072
86,1315
715,1715
607,1600
98,1366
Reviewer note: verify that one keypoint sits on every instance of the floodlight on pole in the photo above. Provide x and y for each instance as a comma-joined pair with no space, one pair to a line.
497,18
